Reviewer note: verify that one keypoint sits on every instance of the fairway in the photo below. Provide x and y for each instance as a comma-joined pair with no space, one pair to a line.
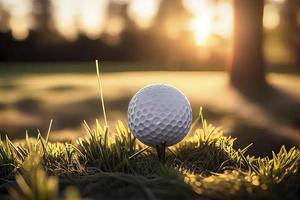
29,101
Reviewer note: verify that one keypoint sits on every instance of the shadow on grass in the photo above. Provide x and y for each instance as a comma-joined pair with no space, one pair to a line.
29,105
100,186
264,141
3,106
8,86
282,108
280,104
63,88
71,115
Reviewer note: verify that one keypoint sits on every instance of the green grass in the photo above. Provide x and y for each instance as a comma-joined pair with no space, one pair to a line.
112,164
99,166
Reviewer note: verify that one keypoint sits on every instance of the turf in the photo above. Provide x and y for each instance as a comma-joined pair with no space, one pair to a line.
112,164
206,165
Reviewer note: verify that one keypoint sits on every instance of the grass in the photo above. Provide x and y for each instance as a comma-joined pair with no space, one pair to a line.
112,164
203,166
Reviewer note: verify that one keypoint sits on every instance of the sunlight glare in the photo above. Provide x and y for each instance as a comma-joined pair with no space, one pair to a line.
278,1
172,29
92,17
64,21
19,29
200,23
223,19
201,29
271,17
115,26
71,17
209,19
195,6
21,20
143,12
120,1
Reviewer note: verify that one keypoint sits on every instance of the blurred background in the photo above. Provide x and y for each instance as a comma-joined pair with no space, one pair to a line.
239,59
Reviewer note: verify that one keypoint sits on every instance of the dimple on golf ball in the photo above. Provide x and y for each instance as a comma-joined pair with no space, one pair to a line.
159,114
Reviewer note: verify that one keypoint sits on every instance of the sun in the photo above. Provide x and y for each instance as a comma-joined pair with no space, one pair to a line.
209,20
201,29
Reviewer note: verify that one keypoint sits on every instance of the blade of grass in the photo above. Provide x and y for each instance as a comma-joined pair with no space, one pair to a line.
101,93
139,152
49,130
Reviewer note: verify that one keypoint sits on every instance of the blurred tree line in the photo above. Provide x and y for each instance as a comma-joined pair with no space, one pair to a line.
149,45
152,45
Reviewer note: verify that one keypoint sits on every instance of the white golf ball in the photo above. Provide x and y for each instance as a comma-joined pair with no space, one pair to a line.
159,113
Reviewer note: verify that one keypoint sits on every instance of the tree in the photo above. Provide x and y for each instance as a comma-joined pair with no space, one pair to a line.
42,14
246,69
290,16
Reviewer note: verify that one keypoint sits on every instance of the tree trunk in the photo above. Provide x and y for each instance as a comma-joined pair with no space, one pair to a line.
246,69
292,29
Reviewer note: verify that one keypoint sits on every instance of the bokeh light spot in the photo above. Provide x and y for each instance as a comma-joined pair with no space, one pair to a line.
143,12
271,17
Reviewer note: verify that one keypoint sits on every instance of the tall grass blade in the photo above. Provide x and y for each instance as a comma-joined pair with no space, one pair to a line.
101,93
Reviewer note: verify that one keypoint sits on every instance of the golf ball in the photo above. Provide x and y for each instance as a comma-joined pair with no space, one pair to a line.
158,114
